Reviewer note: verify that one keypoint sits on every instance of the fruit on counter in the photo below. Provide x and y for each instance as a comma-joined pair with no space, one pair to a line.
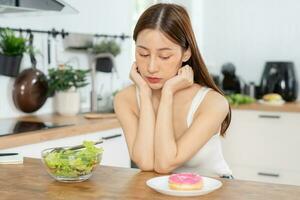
272,97
239,99
72,163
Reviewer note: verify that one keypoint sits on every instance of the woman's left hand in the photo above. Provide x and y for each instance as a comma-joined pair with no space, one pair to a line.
183,79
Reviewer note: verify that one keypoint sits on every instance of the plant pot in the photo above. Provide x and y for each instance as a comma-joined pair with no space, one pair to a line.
67,102
104,62
10,65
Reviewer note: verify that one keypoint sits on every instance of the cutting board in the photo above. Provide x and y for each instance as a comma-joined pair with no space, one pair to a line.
99,115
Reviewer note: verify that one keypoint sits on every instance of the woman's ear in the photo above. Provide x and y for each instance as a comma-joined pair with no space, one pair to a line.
186,55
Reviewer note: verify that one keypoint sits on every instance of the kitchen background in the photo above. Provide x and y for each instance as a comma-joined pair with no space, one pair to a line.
245,33
102,17
262,143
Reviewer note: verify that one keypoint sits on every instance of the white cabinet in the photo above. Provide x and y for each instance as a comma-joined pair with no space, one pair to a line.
115,148
264,146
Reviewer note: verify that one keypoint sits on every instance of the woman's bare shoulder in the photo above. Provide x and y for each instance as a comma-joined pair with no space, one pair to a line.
215,100
126,97
126,92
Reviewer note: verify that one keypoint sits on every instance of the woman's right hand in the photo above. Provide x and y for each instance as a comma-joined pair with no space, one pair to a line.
136,77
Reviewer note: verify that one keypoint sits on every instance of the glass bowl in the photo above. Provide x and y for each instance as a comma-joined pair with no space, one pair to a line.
66,165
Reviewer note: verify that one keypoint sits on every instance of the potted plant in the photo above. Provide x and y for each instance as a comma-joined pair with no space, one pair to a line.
63,83
106,46
104,52
11,52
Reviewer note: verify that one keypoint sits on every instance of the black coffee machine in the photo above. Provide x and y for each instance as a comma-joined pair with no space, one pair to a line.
280,77
231,83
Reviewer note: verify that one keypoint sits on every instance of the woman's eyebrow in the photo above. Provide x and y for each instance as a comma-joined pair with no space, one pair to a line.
140,46
165,48
160,49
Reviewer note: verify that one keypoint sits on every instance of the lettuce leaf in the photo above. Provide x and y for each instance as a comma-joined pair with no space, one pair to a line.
74,163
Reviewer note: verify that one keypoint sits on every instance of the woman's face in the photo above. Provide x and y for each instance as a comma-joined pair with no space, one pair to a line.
158,58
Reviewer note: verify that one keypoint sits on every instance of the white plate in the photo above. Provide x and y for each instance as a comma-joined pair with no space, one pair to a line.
273,103
160,184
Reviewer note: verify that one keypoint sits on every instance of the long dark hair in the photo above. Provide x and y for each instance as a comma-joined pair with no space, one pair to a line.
174,21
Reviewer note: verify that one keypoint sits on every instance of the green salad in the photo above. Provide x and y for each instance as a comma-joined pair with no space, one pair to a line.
239,99
73,163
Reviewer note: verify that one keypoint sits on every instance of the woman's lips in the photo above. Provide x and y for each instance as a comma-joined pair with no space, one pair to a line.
153,79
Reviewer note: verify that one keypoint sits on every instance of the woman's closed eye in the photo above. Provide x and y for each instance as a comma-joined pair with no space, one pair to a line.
164,57
143,55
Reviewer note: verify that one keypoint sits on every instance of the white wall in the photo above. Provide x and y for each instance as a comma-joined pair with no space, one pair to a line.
247,33
95,16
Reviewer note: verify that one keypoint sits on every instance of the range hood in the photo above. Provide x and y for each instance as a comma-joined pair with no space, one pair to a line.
36,6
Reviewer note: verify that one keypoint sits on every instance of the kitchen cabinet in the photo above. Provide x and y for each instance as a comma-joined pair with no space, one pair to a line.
264,146
115,148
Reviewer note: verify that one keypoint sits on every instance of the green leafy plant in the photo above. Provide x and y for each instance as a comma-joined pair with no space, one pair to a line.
64,78
10,44
73,163
239,99
105,46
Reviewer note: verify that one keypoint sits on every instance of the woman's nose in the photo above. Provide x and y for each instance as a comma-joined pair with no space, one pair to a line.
153,67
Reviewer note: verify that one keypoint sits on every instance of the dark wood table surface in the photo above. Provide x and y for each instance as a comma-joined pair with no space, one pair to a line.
30,181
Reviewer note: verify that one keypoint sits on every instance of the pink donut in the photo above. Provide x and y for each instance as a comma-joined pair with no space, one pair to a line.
185,181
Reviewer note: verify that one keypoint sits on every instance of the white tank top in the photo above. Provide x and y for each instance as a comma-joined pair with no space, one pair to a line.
209,159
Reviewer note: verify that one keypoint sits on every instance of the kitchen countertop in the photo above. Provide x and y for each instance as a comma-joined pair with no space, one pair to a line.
81,126
31,181
293,107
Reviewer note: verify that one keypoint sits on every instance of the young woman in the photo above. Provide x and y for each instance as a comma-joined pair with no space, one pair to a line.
173,114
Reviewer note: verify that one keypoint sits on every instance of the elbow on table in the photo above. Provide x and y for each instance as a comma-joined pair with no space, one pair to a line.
144,165
164,168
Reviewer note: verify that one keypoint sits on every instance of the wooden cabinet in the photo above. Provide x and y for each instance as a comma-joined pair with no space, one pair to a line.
264,146
115,148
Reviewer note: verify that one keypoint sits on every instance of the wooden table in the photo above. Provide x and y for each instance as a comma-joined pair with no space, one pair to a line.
31,181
